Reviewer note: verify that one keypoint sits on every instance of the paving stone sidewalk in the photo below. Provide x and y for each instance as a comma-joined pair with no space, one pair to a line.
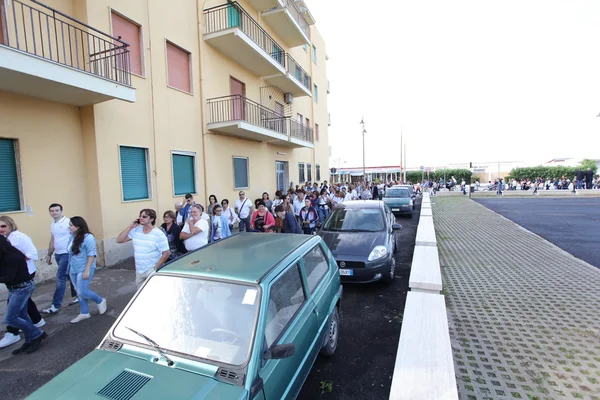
524,316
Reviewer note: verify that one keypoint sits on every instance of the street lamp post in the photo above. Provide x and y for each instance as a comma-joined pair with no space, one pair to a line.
362,122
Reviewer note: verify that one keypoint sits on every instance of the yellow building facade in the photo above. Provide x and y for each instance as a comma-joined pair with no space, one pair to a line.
108,107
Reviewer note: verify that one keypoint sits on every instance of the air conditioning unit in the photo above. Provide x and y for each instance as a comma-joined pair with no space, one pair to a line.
288,98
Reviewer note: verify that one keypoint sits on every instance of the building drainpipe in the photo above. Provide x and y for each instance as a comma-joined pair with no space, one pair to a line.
202,101
155,173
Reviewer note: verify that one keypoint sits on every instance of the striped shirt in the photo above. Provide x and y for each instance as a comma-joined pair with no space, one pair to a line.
147,247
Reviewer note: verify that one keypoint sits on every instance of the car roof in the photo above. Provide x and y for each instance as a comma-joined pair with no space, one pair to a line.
243,257
361,204
402,186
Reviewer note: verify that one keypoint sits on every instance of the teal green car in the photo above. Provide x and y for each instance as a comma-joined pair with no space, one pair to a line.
399,200
242,318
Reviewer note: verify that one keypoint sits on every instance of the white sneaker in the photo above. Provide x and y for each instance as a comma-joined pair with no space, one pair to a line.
80,318
102,307
9,339
41,323
50,310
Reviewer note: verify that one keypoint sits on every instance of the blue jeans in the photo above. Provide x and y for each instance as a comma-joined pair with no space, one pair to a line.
245,223
579,184
16,311
323,213
62,273
83,290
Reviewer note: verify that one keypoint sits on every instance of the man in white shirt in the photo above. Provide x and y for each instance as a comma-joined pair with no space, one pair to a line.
244,208
195,232
59,239
298,204
150,245
347,196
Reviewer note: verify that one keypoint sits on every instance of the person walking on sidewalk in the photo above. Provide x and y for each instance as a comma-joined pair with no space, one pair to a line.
150,245
23,243
82,265
15,275
59,238
244,208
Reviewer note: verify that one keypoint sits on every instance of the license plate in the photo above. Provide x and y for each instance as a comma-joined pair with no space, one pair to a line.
395,209
346,272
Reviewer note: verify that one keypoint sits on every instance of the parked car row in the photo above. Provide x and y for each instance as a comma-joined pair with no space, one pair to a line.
242,318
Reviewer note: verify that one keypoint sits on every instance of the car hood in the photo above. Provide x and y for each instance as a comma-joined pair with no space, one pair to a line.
352,243
102,369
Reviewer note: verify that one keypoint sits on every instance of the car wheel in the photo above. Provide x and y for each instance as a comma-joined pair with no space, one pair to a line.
391,274
333,330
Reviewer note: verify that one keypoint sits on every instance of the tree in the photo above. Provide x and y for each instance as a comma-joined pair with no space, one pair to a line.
587,163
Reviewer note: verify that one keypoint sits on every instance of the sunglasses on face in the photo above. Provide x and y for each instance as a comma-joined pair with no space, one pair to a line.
144,216
3,226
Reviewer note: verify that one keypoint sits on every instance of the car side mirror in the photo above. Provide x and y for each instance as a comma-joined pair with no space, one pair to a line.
396,227
280,351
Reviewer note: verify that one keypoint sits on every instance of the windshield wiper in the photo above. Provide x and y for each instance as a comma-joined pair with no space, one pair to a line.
153,344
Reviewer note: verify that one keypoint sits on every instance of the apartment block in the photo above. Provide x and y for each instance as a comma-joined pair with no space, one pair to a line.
109,107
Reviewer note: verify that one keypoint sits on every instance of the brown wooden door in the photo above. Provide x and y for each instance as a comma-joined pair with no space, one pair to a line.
238,93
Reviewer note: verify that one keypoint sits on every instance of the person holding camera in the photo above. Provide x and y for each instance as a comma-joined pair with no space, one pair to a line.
150,245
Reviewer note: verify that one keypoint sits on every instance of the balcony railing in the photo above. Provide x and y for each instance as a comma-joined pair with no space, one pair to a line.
47,33
298,72
298,17
232,15
238,108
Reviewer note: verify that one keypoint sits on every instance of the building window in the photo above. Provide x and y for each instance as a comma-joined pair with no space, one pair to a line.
309,172
318,172
316,94
184,173
131,33
301,173
178,68
317,132
305,47
240,173
314,53
10,195
134,173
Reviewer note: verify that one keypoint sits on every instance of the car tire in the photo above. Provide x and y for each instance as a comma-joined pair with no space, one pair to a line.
391,274
333,334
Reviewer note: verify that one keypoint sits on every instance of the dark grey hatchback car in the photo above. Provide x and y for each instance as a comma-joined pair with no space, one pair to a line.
362,237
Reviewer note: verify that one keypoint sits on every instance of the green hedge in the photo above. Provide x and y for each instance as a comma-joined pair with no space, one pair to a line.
543,172
459,175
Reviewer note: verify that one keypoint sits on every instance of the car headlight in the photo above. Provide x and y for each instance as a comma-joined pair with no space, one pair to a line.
377,253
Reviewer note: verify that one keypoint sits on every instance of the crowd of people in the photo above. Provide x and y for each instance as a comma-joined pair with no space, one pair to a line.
299,210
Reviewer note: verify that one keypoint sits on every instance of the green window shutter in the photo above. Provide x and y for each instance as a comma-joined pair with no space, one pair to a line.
134,173
183,174
240,172
10,199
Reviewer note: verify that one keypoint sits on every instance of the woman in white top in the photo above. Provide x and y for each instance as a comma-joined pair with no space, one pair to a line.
195,232
230,214
23,243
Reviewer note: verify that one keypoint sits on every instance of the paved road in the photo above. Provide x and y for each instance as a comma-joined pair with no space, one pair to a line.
361,369
370,328
572,224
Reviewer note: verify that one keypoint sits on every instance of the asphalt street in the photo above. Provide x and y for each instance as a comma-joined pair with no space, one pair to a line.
570,223
361,368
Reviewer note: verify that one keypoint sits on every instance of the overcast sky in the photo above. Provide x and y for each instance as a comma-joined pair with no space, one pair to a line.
468,80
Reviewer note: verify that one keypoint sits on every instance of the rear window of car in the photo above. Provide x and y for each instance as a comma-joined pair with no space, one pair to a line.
404,193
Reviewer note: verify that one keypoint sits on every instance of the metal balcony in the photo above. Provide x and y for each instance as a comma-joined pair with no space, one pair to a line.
238,116
295,80
287,21
260,5
50,55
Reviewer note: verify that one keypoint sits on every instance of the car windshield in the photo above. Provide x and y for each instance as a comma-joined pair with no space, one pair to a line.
208,319
355,219
404,193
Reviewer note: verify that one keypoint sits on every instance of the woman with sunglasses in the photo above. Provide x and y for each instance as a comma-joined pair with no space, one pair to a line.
230,214
23,243
82,265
